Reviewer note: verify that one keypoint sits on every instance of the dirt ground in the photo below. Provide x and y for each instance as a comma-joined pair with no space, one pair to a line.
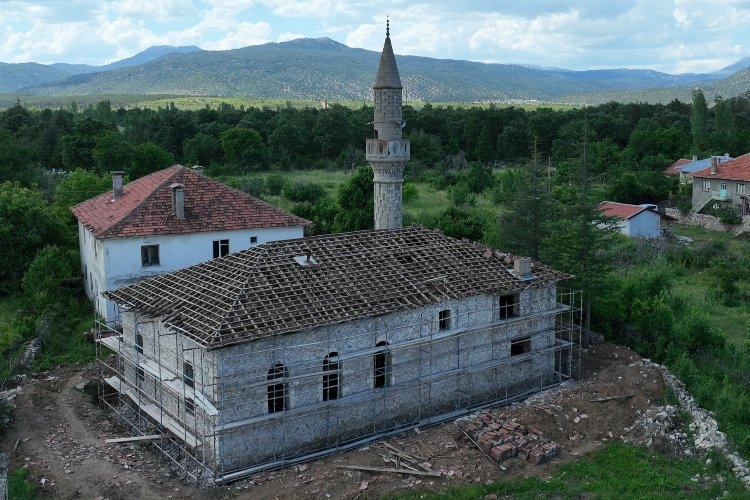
60,436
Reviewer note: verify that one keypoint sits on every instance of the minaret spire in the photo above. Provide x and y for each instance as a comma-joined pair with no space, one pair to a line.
388,152
387,26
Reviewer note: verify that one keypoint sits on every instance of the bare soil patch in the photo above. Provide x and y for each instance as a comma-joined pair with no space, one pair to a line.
59,434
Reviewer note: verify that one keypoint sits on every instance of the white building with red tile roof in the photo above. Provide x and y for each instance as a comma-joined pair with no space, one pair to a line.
723,184
168,220
641,221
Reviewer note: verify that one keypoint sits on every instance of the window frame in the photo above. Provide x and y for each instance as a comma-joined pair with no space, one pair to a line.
706,184
331,381
445,320
150,255
221,248
507,309
278,390
740,188
382,366
188,379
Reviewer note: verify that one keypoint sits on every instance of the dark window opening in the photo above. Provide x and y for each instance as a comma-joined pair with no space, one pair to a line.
382,363
520,346
444,318
508,306
140,375
189,381
331,378
149,255
277,391
253,240
221,248
139,343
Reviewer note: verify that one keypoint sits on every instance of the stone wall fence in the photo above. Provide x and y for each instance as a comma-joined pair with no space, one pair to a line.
709,221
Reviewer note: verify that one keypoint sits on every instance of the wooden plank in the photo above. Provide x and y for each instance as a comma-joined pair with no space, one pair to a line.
613,398
386,469
135,438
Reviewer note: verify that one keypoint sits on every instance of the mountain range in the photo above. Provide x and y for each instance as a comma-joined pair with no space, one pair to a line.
327,70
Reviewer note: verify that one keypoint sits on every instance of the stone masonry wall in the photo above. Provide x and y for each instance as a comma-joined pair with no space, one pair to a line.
708,221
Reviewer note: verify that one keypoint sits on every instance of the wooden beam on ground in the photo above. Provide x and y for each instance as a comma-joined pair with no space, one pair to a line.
386,469
135,438
613,398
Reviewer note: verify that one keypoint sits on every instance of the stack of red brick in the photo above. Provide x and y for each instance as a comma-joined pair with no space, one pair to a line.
501,440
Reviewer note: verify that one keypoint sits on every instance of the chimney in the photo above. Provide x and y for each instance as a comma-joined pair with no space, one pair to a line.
178,200
695,158
522,266
714,163
116,184
198,169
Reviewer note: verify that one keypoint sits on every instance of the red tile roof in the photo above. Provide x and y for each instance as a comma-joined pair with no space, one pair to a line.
673,168
737,169
619,210
145,208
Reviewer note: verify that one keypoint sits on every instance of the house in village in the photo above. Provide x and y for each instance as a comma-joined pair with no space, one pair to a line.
637,221
168,220
723,184
686,168
296,348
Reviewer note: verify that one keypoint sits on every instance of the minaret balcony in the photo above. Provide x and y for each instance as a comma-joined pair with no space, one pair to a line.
388,149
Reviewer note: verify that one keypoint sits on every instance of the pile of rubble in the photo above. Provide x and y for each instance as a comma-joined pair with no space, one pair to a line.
506,439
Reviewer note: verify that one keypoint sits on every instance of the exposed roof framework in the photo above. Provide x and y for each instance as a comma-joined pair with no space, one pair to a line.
274,289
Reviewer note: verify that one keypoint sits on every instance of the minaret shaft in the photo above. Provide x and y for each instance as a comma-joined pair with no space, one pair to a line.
388,152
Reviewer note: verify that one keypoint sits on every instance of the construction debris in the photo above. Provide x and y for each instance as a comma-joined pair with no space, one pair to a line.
500,440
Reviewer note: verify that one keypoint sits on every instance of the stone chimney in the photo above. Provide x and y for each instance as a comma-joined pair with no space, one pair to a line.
522,266
178,200
714,164
116,184
695,158
198,169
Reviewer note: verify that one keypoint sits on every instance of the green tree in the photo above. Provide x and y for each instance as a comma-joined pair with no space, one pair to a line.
579,236
356,202
525,221
242,146
26,225
147,158
111,152
202,149
80,185
49,277
699,119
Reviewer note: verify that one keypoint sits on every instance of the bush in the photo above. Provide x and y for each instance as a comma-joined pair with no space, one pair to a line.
275,184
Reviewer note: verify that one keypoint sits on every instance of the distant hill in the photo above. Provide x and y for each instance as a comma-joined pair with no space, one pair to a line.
324,69
14,77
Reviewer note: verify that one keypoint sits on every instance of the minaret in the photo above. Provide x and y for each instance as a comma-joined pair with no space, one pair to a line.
387,152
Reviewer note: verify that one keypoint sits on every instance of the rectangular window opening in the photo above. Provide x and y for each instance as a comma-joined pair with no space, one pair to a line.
221,248
189,381
508,306
149,255
520,346
253,240
444,319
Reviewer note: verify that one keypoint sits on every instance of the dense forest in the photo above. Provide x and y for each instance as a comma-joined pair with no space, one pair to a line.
521,180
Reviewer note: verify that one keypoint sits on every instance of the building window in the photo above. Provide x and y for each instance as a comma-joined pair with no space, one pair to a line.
382,363
139,343
508,306
723,186
221,248
444,319
740,188
149,255
520,346
706,185
277,390
253,240
331,379
189,381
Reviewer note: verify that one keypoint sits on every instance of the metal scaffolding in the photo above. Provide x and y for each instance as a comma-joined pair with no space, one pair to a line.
139,387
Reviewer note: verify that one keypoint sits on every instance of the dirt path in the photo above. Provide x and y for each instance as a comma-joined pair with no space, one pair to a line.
61,439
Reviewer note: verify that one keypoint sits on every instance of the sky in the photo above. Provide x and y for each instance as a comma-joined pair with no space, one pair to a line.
672,36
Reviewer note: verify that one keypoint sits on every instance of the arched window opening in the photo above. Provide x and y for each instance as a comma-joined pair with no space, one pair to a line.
382,363
277,390
331,377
